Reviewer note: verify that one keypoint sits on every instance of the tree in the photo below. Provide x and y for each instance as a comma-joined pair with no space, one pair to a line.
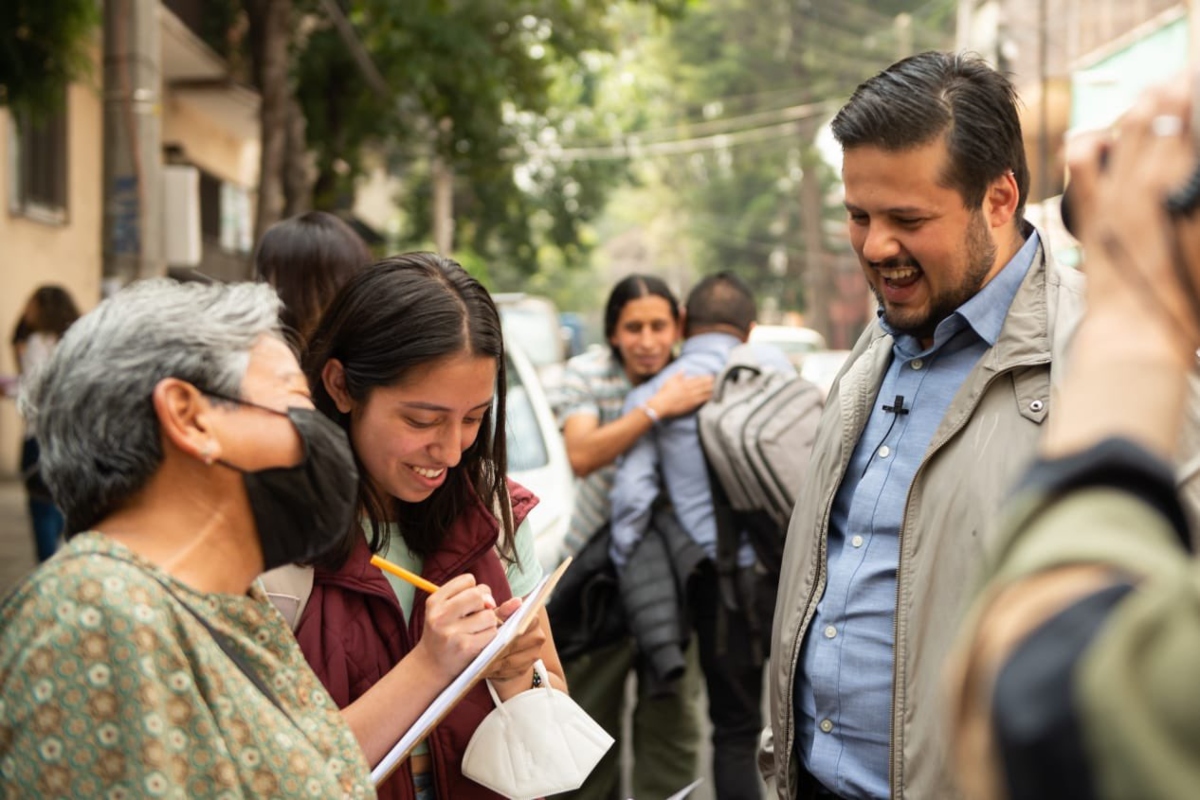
45,45
473,82
750,83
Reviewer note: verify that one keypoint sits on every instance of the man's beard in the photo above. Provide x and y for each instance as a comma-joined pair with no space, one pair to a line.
981,256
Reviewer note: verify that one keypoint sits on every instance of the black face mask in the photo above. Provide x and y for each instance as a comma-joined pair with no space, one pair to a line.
301,512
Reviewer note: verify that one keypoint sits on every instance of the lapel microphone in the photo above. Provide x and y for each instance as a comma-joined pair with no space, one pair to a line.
897,407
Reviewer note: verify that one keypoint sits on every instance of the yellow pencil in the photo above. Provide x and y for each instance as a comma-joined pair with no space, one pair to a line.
400,572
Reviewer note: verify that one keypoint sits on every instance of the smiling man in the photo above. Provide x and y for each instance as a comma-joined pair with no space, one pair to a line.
940,404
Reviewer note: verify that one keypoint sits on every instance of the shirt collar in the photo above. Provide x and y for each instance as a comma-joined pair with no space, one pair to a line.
986,311
715,342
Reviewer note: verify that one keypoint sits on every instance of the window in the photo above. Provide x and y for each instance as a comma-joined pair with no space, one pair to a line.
38,166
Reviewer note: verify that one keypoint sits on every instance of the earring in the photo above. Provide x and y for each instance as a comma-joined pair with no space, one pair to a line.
207,453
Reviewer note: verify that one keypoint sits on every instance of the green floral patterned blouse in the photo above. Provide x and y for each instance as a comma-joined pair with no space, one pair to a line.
110,688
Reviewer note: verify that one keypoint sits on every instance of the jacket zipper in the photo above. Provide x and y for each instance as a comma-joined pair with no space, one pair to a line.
818,585
896,765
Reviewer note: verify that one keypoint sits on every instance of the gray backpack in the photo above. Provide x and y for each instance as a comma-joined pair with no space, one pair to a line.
757,432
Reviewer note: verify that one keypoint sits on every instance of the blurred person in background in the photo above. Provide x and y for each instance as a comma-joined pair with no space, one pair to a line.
46,317
670,464
1076,671
641,324
307,258
179,439
407,360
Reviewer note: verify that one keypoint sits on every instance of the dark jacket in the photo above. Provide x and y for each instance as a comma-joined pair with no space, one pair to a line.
585,610
353,632
653,593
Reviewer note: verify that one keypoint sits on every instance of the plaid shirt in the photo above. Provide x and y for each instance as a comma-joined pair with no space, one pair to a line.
595,385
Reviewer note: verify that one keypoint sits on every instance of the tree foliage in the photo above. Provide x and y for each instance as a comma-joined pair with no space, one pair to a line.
749,83
472,82
44,46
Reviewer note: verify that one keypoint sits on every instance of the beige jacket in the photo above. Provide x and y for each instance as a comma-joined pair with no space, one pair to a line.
987,436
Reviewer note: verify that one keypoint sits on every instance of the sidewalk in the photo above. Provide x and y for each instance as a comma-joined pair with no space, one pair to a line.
16,537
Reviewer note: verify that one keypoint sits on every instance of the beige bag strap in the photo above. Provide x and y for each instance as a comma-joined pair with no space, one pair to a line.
288,588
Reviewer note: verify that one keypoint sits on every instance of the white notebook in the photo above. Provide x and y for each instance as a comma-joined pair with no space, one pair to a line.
513,627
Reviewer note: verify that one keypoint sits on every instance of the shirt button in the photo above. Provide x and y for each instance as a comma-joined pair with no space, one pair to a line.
916,363
885,451
856,541
830,631
826,725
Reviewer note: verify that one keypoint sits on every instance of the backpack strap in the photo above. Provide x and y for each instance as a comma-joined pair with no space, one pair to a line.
734,599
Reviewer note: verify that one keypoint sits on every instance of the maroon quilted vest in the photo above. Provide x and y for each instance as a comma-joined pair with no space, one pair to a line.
353,631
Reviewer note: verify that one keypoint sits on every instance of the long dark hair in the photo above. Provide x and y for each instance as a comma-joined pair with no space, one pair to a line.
53,312
629,288
307,258
396,315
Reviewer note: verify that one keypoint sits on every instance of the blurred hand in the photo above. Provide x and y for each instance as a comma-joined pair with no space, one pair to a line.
516,663
681,394
1139,260
460,620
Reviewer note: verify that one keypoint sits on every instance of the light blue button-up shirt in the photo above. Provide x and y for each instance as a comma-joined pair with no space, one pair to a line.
673,447
843,691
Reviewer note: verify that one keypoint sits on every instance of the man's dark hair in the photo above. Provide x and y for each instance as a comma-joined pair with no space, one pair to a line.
954,95
630,288
720,299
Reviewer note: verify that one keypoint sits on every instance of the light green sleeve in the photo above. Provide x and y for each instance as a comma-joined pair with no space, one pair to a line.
524,574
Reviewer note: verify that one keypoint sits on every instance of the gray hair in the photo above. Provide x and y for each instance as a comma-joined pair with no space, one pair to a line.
91,405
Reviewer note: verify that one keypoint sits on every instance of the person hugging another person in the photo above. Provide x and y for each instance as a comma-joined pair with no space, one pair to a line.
642,325
409,360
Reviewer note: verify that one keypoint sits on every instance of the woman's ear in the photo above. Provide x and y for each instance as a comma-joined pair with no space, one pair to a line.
185,418
333,375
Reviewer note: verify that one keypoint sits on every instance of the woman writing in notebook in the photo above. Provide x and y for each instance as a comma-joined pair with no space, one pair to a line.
409,360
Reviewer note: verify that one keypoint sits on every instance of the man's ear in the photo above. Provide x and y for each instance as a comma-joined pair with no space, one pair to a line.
750,330
185,417
1000,202
333,375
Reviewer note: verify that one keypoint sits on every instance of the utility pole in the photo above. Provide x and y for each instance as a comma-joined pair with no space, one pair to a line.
132,194
1043,145
442,177
443,205
819,289
903,25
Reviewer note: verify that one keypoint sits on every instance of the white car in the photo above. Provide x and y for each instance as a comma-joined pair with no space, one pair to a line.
531,322
537,458
796,343
821,368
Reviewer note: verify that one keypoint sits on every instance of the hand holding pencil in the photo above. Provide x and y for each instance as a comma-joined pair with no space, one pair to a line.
461,617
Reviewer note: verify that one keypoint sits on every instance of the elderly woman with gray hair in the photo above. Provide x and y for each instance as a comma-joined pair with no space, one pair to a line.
179,438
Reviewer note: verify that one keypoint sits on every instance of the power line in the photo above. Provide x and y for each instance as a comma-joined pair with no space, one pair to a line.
632,147
710,127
